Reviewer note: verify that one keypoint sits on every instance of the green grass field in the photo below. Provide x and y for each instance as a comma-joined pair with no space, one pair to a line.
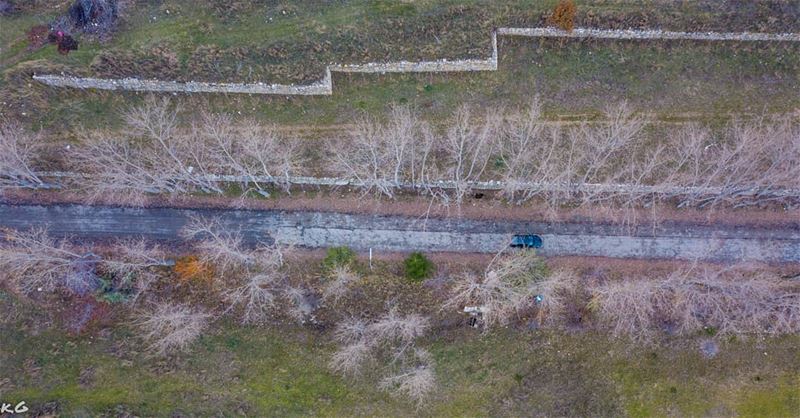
282,369
271,372
240,43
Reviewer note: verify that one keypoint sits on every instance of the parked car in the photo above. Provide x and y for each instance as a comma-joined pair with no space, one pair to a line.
527,241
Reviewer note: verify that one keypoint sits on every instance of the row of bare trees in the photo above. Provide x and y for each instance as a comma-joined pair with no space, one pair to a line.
621,159
731,301
156,155
624,159
735,300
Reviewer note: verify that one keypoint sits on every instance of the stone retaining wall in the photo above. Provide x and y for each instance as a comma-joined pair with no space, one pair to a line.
649,34
589,188
324,86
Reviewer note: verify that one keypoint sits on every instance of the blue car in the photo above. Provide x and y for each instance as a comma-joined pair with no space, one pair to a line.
526,241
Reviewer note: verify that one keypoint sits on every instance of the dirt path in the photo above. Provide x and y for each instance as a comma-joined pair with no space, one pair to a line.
397,233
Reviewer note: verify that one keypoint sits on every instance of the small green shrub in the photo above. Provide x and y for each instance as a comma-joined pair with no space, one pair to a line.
417,267
113,297
232,342
339,256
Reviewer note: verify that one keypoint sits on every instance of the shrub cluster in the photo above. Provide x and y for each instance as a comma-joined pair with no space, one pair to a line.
734,301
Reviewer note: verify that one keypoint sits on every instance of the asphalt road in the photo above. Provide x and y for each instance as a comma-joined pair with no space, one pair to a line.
396,233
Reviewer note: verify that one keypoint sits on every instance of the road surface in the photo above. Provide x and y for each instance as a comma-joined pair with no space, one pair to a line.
397,233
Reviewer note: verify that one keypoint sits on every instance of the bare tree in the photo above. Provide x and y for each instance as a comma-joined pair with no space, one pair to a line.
257,296
341,280
33,261
603,147
393,330
389,343
394,327
382,157
18,150
218,244
747,163
170,328
507,286
630,307
587,161
356,349
467,149
532,156
256,154
557,297
151,158
255,273
416,380
132,264
735,300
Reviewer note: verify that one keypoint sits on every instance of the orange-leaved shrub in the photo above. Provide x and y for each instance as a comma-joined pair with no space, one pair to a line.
191,269
564,15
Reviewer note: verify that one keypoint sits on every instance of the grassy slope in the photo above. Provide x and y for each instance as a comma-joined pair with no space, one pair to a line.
266,372
666,78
